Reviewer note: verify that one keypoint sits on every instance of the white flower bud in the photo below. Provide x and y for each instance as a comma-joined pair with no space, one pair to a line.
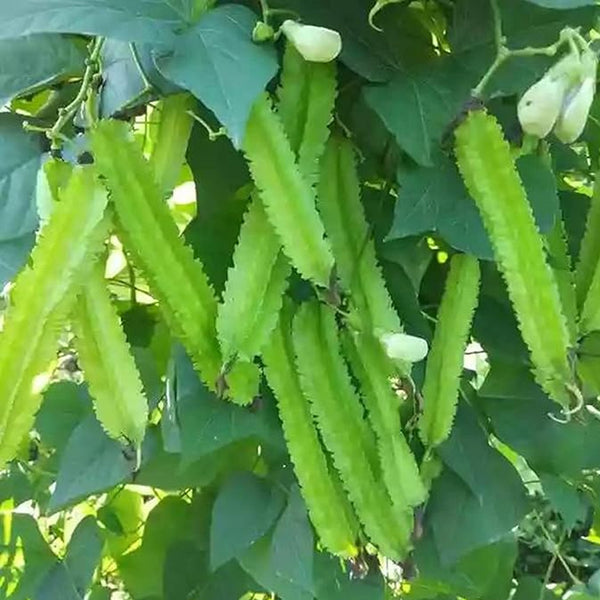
576,107
315,44
561,100
401,346
541,104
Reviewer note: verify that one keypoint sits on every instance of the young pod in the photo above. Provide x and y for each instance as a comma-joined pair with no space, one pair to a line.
326,503
287,196
485,162
353,248
255,287
306,102
171,141
41,299
109,368
325,381
445,360
144,222
374,372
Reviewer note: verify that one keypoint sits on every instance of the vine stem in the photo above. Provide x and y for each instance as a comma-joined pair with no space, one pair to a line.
67,113
548,575
567,36
213,134
138,65
264,8
268,12
556,555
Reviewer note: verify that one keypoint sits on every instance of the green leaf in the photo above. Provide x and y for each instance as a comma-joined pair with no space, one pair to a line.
219,169
478,498
15,485
435,199
91,463
529,587
257,561
565,499
140,325
574,208
48,58
169,421
243,512
506,380
563,449
523,23
134,20
100,593
417,108
230,581
405,300
221,176
219,63
123,85
293,544
170,521
20,159
123,518
473,520
64,406
333,582
540,184
71,578
13,255
469,455
167,471
208,423
184,570
38,557
495,328
593,584
485,572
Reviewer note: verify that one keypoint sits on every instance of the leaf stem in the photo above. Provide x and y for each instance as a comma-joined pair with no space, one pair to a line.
556,555
567,36
213,134
264,8
138,64
66,113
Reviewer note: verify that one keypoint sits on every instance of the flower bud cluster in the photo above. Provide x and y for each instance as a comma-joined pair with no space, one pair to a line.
561,100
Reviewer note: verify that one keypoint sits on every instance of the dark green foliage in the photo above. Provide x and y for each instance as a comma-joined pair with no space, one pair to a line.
241,179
